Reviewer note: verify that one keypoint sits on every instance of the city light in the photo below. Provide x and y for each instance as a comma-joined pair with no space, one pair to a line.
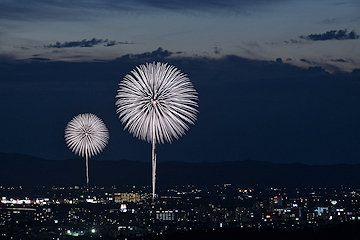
132,213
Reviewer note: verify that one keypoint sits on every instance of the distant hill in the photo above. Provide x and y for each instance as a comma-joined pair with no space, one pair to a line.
24,170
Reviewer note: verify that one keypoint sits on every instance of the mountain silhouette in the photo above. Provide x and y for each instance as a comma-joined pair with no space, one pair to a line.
24,170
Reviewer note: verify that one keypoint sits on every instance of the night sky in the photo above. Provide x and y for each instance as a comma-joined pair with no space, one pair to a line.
278,80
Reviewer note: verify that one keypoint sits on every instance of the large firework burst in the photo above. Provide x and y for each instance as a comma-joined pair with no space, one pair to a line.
156,102
86,135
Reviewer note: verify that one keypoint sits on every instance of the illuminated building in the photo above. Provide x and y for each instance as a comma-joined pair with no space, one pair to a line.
126,197
167,215
276,201
321,210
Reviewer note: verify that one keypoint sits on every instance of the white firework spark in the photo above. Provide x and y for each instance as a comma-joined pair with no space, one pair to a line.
156,96
156,102
86,135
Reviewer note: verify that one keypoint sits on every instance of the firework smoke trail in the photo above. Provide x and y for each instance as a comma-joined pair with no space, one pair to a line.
156,102
86,135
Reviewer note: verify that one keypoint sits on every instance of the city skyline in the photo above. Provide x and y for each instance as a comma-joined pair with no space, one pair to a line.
269,91
221,210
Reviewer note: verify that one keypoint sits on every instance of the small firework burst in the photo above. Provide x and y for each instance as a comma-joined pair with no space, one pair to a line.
86,135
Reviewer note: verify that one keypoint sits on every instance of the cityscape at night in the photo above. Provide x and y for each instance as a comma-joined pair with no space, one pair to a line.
180,119
129,213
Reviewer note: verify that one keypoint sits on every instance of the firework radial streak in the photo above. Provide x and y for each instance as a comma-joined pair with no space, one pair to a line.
86,135
156,102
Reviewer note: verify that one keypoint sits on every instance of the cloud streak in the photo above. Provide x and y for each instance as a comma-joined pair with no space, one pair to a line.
292,41
77,10
85,43
205,5
338,60
305,61
332,35
157,55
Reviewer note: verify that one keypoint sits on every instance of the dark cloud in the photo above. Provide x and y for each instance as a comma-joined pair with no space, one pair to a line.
333,68
332,35
337,60
331,21
158,54
305,61
110,43
217,50
39,59
85,43
271,43
292,41
289,59
113,43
